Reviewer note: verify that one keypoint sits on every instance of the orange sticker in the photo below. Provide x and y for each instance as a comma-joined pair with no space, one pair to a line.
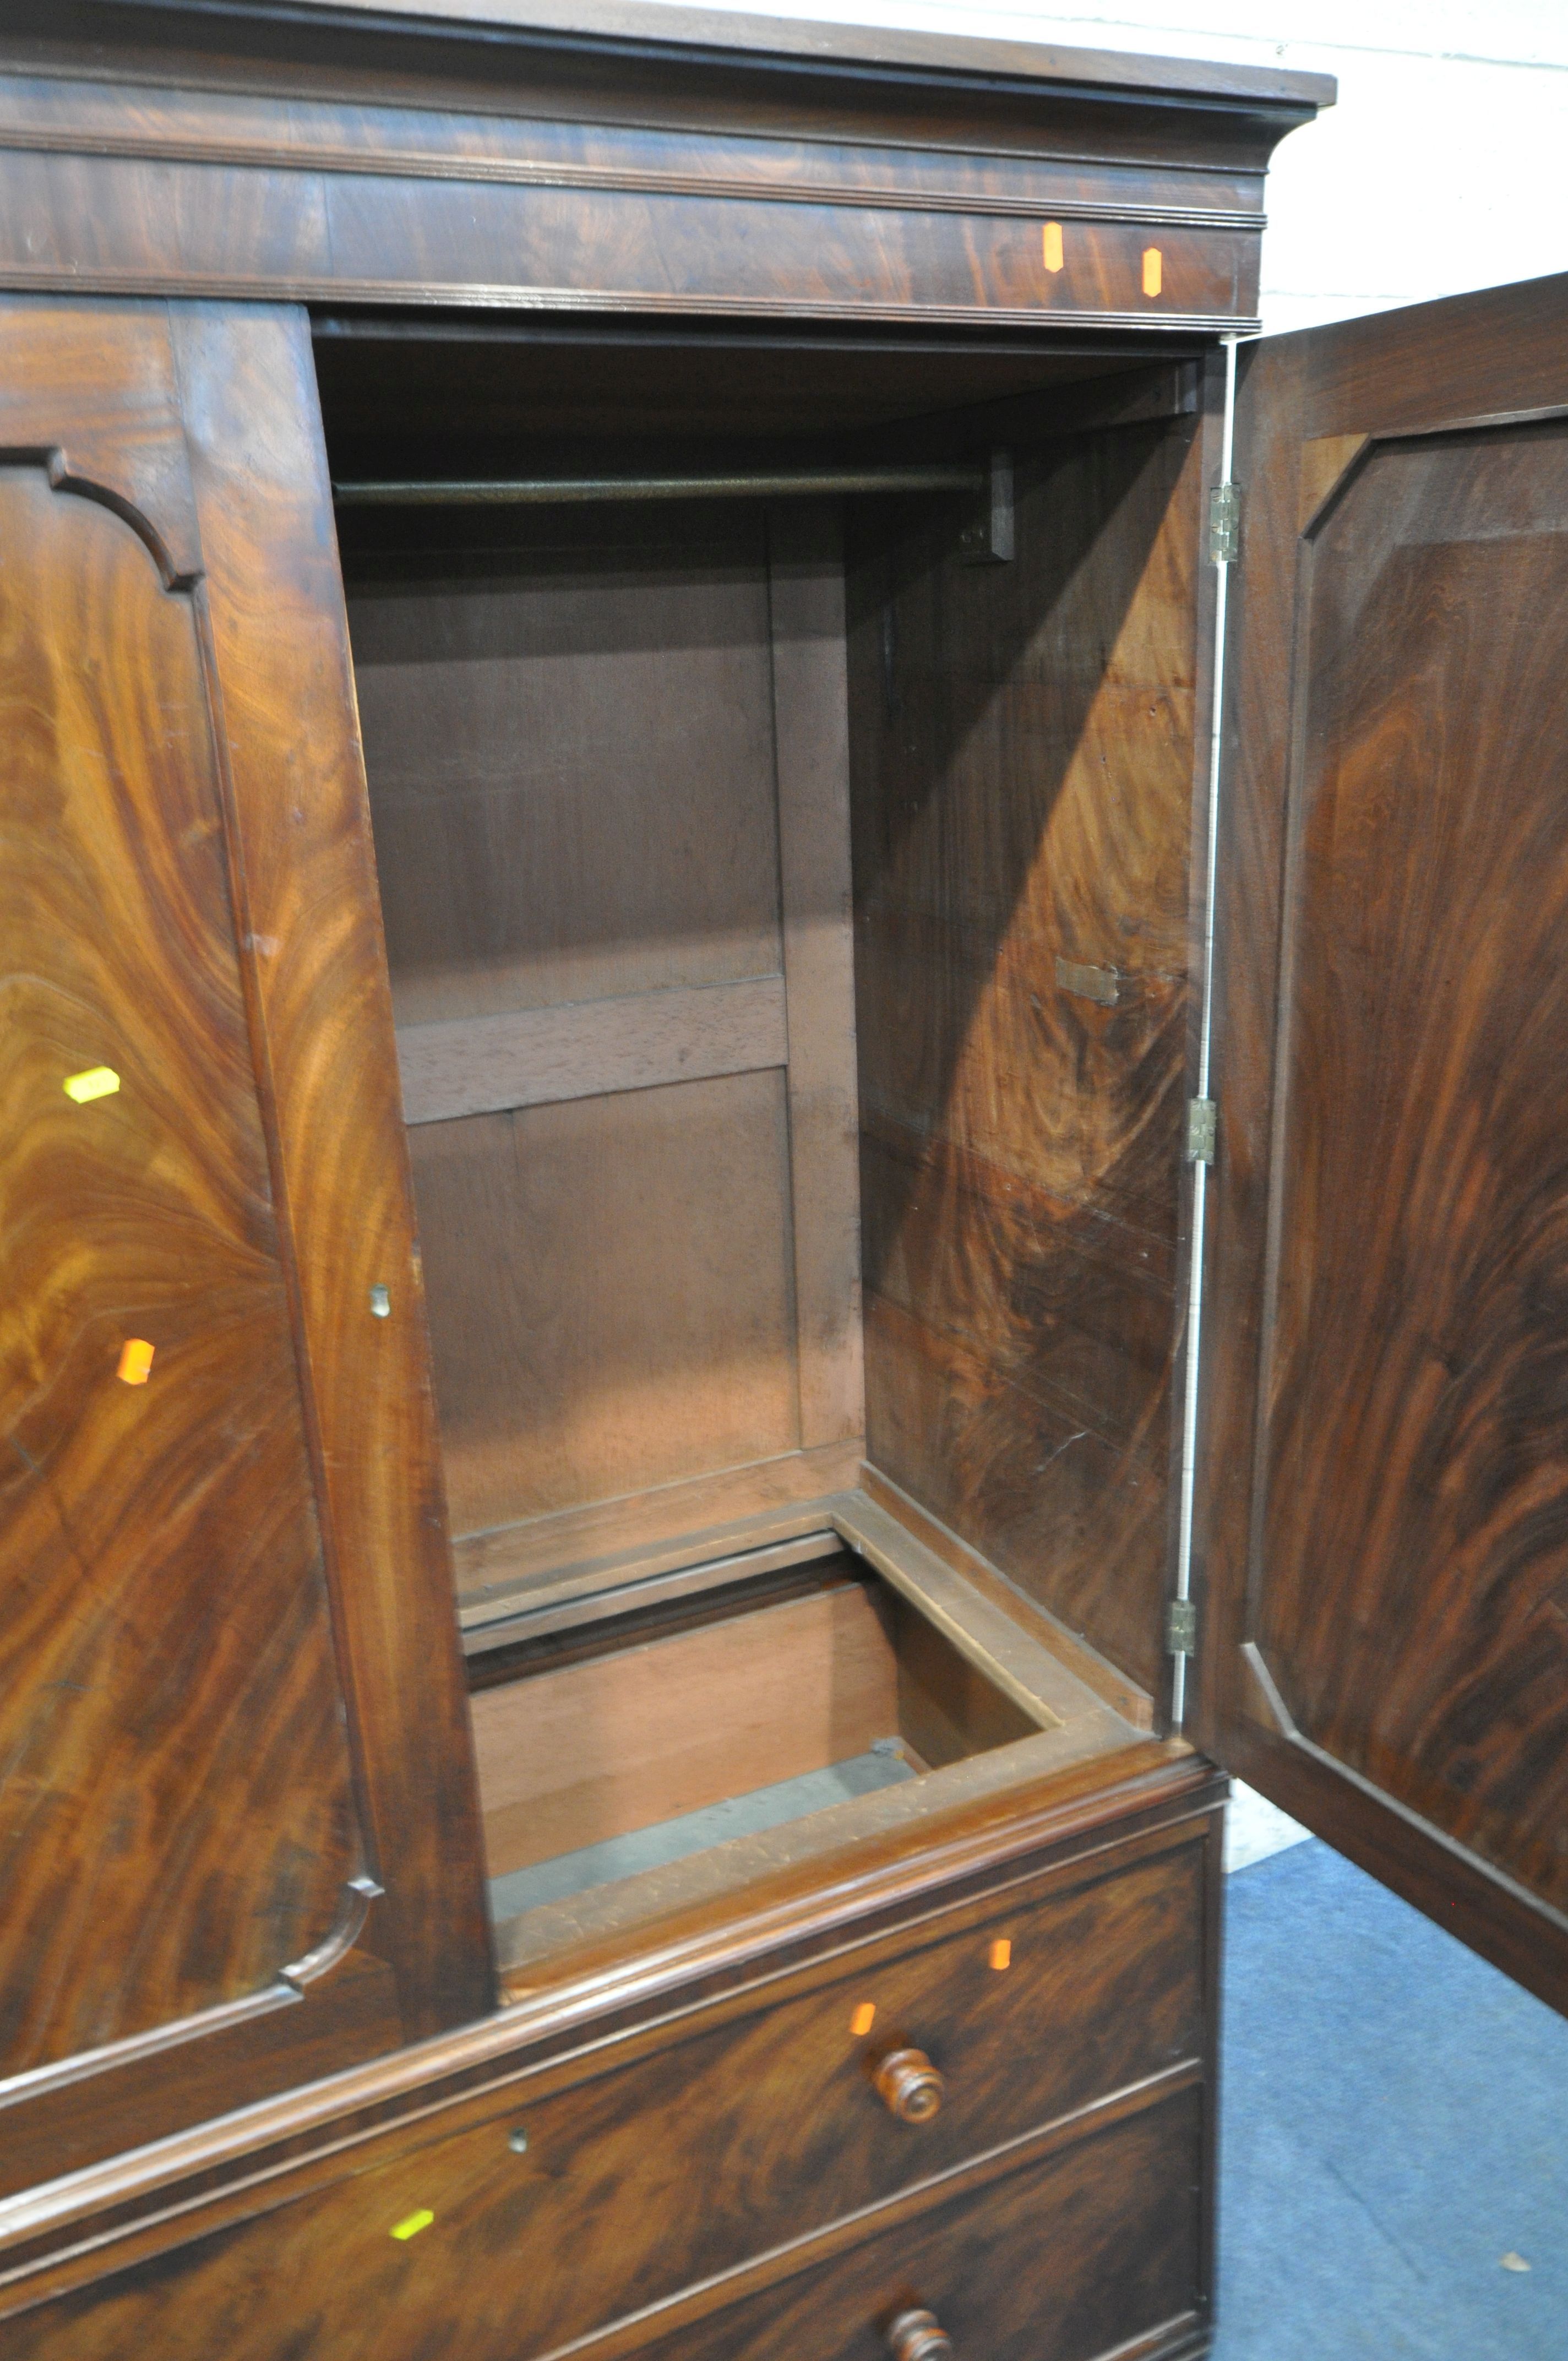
1001,1954
1053,246
1153,270
136,1361
863,2020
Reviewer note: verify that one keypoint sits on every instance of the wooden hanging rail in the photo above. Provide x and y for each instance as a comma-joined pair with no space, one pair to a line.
540,490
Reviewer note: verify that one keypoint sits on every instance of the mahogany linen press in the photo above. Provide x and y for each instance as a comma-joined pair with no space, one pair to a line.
783,997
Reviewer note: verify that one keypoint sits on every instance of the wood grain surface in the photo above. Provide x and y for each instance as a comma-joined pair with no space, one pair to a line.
670,168
696,41
612,1277
574,1754
1417,1475
729,2137
105,2103
651,182
811,741
166,1660
1387,1657
134,2207
549,828
611,1294
590,1048
468,139
622,1540
218,1622
1024,745
629,940
1090,1670
321,1021
1093,2251
650,175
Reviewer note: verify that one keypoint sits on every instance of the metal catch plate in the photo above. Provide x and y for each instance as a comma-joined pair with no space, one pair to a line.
1203,1130
1181,1627
1101,983
991,536
1224,524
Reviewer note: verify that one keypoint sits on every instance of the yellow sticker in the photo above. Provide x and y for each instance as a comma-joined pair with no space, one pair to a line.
863,2020
415,2224
136,1361
1001,1954
1153,270
97,1083
1053,246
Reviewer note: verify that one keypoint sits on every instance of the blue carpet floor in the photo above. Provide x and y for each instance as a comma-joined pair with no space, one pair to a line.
1394,2122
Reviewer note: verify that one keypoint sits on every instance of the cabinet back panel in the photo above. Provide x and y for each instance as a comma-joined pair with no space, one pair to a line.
609,779
550,825
611,1292
1022,754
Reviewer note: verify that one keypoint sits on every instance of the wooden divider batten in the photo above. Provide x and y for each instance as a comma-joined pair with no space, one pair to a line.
811,726
589,1048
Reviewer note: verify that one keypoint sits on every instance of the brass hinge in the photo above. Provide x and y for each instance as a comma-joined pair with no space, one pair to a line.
1224,524
1181,1627
1203,1130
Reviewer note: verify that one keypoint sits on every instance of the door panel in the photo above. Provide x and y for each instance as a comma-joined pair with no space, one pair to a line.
1389,1595
166,1666
215,1667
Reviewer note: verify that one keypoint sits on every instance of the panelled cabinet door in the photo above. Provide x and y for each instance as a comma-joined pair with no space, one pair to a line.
238,1826
1384,1499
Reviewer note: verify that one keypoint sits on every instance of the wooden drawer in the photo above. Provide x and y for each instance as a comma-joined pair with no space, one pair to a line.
750,2124
1097,2249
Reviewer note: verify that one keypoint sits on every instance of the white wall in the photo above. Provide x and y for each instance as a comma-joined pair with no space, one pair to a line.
1444,165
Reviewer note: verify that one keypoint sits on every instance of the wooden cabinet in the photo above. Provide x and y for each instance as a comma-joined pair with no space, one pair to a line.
611,627
731,2159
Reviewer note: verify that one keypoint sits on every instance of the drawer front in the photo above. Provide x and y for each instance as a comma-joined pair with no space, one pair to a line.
554,2216
1096,2251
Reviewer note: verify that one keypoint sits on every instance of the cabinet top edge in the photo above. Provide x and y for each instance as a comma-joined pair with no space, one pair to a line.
651,29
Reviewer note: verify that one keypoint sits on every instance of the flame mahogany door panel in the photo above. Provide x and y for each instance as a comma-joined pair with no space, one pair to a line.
237,1813
1385,1501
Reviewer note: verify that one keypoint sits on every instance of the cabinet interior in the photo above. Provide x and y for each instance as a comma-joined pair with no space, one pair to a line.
620,1749
789,929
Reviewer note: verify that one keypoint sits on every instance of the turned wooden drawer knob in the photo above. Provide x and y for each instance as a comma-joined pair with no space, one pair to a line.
915,2336
912,2088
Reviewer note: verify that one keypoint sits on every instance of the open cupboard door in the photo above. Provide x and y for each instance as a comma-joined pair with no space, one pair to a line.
238,1823
1383,1500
